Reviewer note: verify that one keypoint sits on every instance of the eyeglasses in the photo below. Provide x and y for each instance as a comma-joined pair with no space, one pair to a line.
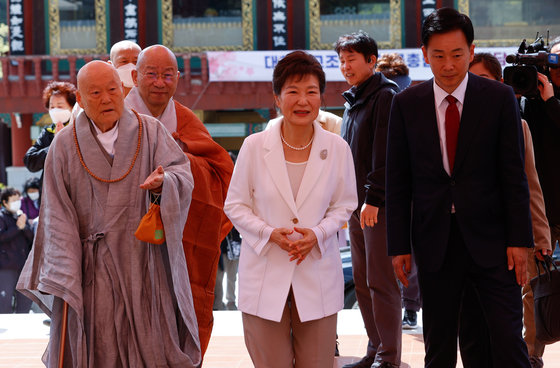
166,77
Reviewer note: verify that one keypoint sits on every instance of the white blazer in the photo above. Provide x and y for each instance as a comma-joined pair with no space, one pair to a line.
260,199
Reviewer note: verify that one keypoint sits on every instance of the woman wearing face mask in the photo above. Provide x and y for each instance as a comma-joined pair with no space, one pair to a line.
59,98
15,243
30,201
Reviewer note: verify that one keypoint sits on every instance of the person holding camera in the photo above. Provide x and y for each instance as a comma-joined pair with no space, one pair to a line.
543,116
474,339
16,237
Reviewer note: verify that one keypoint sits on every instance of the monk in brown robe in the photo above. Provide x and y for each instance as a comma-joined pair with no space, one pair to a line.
129,302
156,78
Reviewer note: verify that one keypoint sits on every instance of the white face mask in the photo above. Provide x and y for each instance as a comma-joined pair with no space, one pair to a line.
15,206
33,196
125,74
59,115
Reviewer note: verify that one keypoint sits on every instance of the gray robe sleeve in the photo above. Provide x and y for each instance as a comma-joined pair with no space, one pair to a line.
54,265
175,201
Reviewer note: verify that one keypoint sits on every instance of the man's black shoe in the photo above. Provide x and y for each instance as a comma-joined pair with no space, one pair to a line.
365,362
383,365
409,320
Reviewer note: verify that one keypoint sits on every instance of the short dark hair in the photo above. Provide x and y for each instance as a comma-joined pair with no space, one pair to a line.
553,43
297,63
446,20
64,89
490,62
359,42
32,183
7,193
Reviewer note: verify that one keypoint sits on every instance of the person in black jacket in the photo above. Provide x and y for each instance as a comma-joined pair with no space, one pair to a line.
543,117
15,243
392,66
59,98
364,127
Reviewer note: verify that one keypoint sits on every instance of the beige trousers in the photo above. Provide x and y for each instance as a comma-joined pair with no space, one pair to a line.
290,343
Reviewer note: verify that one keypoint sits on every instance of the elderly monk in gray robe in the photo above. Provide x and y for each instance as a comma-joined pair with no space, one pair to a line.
130,303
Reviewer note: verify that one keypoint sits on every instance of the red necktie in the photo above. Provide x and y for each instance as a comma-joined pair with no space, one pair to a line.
451,129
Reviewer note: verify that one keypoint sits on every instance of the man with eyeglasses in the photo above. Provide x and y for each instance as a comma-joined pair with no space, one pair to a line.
155,79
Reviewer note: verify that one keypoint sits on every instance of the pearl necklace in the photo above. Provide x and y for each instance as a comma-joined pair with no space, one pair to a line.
292,147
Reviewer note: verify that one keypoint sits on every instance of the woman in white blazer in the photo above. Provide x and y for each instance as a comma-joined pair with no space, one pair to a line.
292,189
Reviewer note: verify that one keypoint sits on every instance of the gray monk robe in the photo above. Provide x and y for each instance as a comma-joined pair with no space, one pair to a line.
130,303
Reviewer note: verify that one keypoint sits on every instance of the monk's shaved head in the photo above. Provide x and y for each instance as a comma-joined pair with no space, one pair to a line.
93,68
156,52
156,77
123,47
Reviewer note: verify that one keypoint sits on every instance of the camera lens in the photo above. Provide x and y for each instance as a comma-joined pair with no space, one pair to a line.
523,79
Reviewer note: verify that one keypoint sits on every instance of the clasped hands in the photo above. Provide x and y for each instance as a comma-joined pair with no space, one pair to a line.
297,249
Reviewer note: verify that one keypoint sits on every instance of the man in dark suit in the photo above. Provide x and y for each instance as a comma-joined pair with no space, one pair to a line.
456,189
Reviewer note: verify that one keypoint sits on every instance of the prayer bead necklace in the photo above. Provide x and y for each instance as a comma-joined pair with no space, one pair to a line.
131,164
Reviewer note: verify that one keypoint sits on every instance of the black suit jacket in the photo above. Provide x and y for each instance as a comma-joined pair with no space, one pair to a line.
488,185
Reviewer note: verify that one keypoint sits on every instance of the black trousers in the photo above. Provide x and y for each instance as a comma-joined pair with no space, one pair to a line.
9,296
474,338
500,298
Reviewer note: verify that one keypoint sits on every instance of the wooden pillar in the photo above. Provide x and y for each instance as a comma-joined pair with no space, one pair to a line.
21,138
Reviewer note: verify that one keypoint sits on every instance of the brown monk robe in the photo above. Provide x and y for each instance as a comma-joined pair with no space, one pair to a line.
156,78
207,225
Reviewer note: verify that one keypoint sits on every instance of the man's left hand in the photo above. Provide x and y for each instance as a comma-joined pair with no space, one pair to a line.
517,259
154,181
402,264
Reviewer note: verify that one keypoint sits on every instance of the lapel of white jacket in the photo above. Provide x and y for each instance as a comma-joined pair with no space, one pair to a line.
276,165
315,164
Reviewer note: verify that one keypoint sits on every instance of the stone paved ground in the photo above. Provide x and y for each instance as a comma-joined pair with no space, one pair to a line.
23,339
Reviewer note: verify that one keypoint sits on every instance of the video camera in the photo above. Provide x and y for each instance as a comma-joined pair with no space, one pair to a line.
529,60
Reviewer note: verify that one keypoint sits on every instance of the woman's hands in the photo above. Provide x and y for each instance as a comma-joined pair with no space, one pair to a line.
280,237
298,249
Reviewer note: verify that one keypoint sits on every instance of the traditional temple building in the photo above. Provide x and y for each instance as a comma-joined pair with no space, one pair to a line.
214,41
